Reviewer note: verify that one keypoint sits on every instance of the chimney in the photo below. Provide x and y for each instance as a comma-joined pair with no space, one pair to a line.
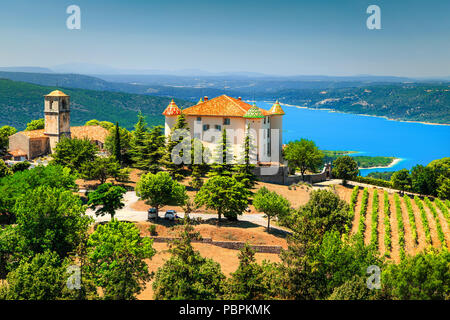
240,98
205,98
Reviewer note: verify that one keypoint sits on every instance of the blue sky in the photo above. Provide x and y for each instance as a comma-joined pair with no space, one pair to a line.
327,37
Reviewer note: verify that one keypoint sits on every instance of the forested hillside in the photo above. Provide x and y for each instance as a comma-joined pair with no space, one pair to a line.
21,102
415,102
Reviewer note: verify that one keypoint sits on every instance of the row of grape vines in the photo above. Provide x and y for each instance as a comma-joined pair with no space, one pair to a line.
440,233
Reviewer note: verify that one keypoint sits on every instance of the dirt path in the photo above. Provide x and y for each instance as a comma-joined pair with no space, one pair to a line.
395,251
419,226
357,209
410,246
368,220
444,224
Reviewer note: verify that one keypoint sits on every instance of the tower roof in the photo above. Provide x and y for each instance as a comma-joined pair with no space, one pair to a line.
221,106
56,93
254,113
172,109
276,109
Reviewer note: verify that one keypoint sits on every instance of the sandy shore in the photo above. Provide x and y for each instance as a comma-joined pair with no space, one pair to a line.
393,163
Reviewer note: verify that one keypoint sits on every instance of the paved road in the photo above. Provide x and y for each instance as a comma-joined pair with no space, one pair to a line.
129,214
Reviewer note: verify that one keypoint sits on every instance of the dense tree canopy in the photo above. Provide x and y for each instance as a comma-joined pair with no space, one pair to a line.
106,199
35,125
187,275
117,256
225,195
345,168
51,219
73,153
160,189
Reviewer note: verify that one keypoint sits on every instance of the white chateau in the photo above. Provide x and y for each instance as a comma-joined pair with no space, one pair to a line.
209,117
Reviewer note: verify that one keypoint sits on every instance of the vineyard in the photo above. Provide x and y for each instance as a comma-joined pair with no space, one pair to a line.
399,225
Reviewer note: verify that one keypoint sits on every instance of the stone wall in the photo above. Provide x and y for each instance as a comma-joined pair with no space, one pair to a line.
283,177
234,245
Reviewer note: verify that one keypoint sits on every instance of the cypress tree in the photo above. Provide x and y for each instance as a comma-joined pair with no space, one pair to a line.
117,149
220,167
244,170
175,170
138,139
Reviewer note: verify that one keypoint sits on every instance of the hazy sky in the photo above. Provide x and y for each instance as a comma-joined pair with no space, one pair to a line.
276,37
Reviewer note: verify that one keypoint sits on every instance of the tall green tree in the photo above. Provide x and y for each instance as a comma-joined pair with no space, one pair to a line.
272,204
117,256
176,170
138,138
247,282
73,153
41,278
423,180
108,197
223,158
401,180
152,150
35,124
303,155
117,146
187,275
14,186
244,170
4,169
125,141
225,195
5,132
345,168
160,189
51,219
101,169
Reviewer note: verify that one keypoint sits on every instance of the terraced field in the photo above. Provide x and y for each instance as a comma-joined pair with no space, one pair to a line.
399,225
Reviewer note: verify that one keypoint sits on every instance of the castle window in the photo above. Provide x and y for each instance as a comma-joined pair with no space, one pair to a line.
218,127
199,118
205,127
226,121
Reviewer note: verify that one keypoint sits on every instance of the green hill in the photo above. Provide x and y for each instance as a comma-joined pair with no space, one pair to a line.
21,102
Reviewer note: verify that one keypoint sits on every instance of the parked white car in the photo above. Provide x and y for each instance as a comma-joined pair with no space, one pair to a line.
152,213
171,215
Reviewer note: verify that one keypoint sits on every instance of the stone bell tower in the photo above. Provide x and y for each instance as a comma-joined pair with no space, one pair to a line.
57,117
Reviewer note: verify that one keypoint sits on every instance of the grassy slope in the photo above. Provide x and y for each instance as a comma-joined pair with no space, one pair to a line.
21,102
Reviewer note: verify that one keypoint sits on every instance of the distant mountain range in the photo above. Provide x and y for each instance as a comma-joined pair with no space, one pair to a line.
427,101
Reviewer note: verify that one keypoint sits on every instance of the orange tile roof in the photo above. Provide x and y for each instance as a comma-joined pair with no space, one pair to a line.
34,134
91,132
172,109
276,109
17,153
223,105
56,93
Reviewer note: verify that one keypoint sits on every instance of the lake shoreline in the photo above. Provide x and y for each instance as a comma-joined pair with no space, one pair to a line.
392,164
363,114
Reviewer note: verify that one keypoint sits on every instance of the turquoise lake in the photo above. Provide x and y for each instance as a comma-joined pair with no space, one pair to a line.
415,143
